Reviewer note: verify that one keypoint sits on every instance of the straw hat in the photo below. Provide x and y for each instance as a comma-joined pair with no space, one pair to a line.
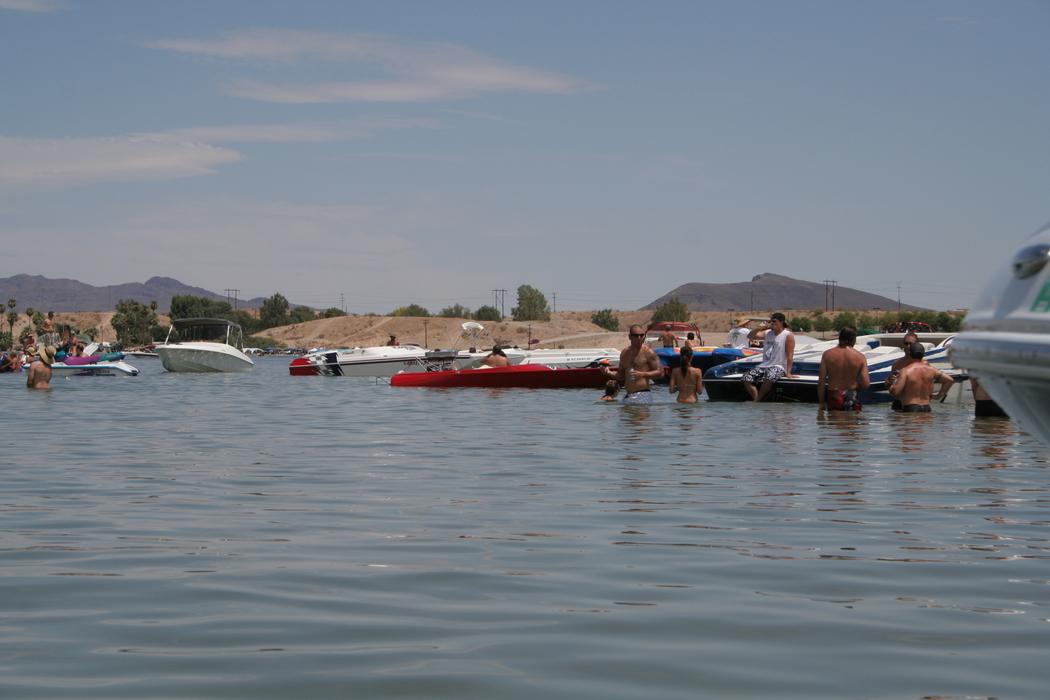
46,354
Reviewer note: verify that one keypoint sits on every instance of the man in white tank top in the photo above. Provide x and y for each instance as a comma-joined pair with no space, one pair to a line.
778,353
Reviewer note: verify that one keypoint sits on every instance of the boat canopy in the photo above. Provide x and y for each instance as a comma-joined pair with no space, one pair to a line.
208,330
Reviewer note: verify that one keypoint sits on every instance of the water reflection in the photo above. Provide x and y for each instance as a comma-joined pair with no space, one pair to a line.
913,431
994,439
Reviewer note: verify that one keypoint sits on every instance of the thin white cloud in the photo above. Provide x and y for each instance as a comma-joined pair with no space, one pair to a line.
51,163
179,153
32,5
316,132
412,73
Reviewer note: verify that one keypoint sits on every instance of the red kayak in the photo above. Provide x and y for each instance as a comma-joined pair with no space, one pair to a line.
515,376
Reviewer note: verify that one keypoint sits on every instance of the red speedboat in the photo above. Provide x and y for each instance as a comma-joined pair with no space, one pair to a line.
515,376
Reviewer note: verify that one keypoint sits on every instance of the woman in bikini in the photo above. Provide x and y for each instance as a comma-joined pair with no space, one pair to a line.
686,380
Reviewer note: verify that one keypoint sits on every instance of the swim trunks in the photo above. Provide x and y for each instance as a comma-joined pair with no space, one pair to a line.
916,408
638,397
757,375
986,408
839,400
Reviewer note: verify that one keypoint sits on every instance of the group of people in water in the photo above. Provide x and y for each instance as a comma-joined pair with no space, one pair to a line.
843,372
37,356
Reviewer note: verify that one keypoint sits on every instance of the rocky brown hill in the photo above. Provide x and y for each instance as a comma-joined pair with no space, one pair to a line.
43,293
772,290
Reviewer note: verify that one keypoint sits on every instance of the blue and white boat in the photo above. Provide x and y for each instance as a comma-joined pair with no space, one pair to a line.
725,382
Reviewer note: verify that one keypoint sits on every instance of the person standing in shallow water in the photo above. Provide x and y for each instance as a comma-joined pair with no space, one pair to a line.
638,365
687,381
914,386
843,372
39,374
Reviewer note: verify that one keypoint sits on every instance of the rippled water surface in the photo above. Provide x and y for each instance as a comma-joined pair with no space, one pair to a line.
268,536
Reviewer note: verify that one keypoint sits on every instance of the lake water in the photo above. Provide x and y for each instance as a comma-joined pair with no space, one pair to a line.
268,536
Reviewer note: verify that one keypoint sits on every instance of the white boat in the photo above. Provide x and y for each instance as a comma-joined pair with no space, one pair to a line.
204,345
116,368
388,360
1005,341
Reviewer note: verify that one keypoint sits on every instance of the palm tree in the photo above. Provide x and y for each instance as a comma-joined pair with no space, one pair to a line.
11,304
11,318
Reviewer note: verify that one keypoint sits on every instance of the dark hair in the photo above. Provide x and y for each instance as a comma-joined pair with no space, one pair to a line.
497,350
912,334
611,387
777,316
917,351
686,359
690,336
848,336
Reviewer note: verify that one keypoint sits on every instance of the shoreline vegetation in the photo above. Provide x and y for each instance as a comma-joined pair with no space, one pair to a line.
568,329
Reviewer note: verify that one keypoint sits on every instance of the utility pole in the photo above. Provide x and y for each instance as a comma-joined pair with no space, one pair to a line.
752,299
342,302
426,339
230,290
827,289
834,283
554,302
898,296
501,300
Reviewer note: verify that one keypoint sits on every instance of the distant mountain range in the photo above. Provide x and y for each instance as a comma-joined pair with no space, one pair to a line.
771,291
44,294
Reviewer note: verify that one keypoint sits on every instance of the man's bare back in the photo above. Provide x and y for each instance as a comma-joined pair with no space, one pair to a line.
844,368
914,386
39,376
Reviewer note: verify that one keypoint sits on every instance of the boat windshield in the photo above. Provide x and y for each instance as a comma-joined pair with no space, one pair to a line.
192,330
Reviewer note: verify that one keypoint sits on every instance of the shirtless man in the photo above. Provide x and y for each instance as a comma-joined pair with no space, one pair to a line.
49,336
668,339
496,358
843,372
900,363
39,375
638,365
686,380
914,386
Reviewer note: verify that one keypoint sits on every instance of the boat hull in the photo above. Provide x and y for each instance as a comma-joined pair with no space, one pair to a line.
518,377
203,357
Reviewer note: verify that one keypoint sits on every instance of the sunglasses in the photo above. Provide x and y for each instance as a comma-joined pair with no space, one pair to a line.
636,335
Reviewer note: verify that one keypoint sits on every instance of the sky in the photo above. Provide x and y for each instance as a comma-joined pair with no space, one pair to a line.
369,155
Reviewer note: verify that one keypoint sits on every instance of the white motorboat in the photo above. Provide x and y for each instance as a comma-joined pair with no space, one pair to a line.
387,360
1005,341
102,368
204,345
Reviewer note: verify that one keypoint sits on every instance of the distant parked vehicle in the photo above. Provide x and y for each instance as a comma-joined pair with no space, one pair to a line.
907,326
